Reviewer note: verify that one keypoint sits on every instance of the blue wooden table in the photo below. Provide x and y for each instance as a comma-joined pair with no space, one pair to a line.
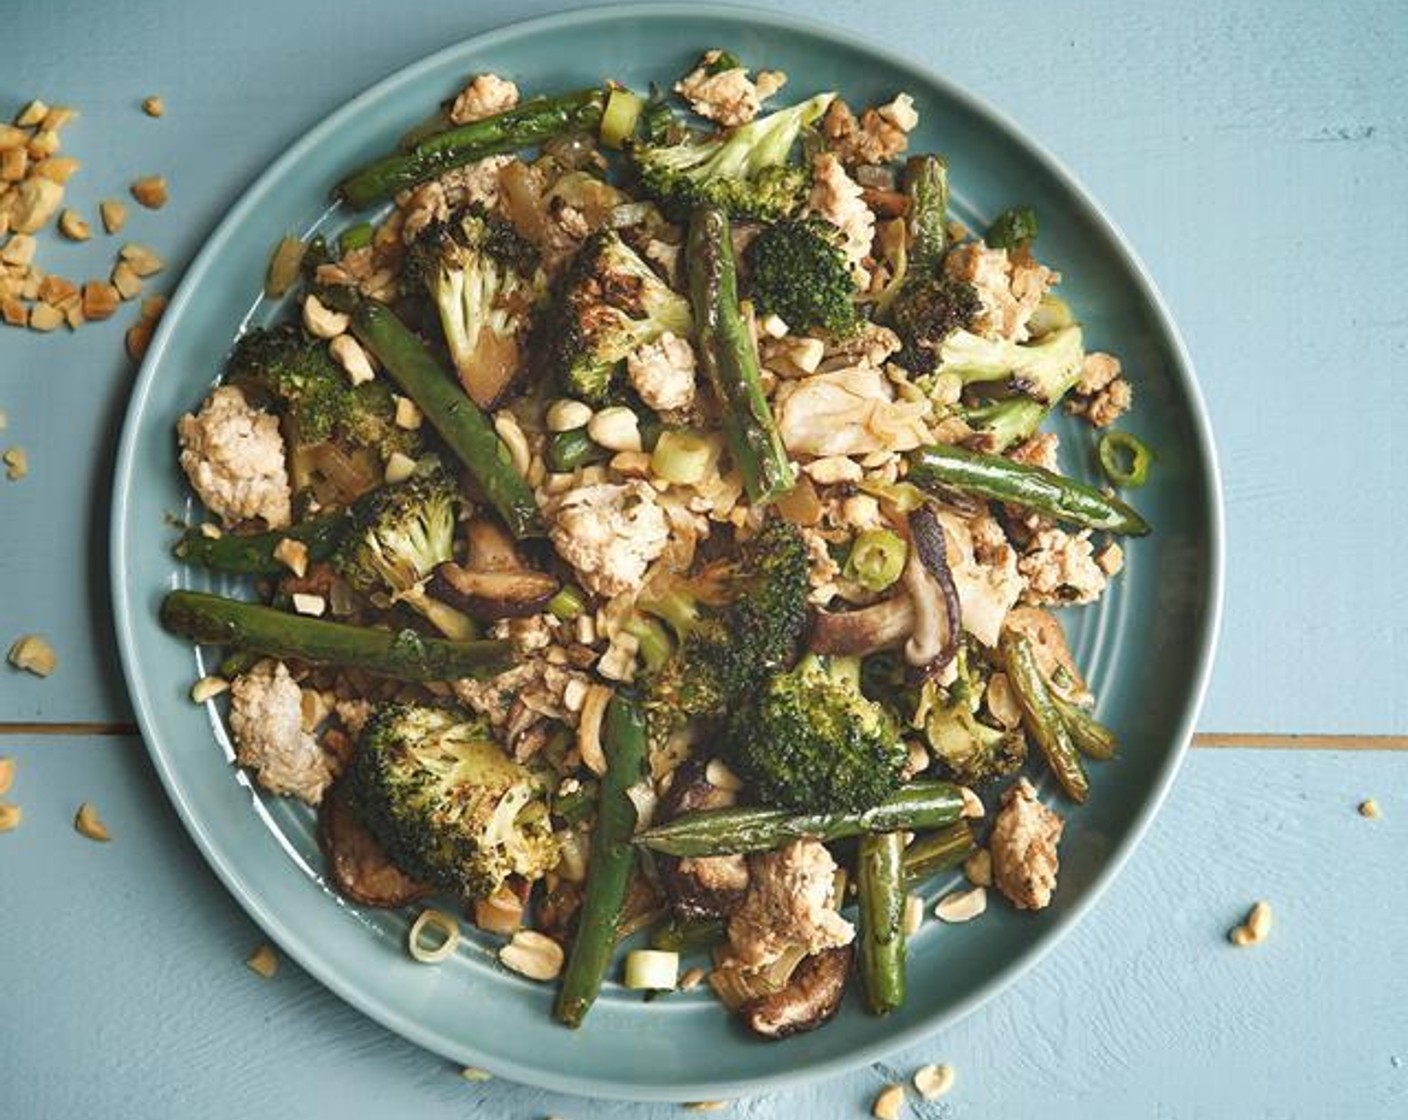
1256,154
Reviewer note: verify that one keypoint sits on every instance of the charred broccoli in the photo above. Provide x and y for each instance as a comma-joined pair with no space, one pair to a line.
745,173
734,621
398,536
797,271
450,807
295,371
964,747
610,303
811,741
485,281
926,312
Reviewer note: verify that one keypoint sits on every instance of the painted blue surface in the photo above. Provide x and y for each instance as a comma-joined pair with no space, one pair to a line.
1255,155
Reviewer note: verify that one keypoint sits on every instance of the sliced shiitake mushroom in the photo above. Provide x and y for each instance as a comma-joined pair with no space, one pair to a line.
494,594
809,1000
862,632
358,866
491,548
702,888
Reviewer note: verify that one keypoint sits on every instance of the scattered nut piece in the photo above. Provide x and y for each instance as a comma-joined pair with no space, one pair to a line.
321,320
44,317
1254,930
137,339
143,261
100,300
16,463
264,961
474,1073
36,201
933,1082
113,214
150,191
717,774
566,415
706,1106
889,1103
126,281
978,868
58,291
57,169
972,804
913,914
44,143
12,137
348,353
408,414
314,605
58,117
14,164
15,313
692,978
1369,808
10,816
961,906
533,955
32,114
73,315
153,106
87,823
153,306
7,774
207,688
293,555
399,467
19,250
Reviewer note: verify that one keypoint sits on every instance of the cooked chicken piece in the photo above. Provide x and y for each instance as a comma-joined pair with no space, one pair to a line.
486,96
1023,844
790,902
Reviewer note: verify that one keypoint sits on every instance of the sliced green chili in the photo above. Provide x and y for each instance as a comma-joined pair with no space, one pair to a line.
1124,458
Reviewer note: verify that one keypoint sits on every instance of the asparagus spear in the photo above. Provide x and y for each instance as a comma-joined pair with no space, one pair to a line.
458,419
609,866
253,555
1041,715
939,851
939,466
526,124
880,883
730,359
404,655
714,832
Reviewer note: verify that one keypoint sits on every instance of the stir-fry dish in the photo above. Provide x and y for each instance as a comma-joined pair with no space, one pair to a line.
655,544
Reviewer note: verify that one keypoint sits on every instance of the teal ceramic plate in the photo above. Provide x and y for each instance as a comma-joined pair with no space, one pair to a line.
1147,646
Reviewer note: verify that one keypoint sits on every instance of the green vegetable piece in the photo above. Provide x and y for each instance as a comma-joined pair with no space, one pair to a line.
572,449
926,212
568,603
678,936
877,559
1091,737
253,554
611,862
730,359
682,457
354,237
618,122
460,422
1041,715
937,852
880,885
403,655
1124,458
447,804
715,832
527,123
1012,229
939,467
798,271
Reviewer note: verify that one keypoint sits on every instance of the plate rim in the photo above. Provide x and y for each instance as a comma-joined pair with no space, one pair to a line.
126,602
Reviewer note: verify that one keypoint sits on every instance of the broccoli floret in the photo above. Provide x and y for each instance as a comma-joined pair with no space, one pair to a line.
450,807
295,371
485,281
1000,424
811,741
964,748
399,533
1044,370
735,621
745,173
610,303
797,271
927,311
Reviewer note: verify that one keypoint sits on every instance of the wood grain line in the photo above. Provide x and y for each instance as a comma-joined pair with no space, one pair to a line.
1205,739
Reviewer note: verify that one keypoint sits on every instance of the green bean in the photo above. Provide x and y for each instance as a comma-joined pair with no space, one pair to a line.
528,123
940,851
404,655
460,422
1041,715
611,862
253,554
1091,737
680,936
714,832
926,212
880,886
939,466
730,359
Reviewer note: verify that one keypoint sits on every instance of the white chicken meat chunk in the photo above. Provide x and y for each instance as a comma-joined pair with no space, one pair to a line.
1010,288
486,96
728,96
1023,845
266,720
790,902
1060,567
662,372
233,455
837,198
609,534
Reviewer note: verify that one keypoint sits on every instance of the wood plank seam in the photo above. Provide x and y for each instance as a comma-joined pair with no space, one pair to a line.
1215,740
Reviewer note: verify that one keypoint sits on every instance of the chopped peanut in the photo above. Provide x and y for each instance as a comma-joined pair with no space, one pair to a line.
207,688
10,816
14,312
38,201
933,1082
153,106
58,291
88,824
142,260
126,281
113,214
73,315
32,114
14,164
19,250
45,317
138,337
889,1103
1369,808
100,300
264,961
43,143
57,169
150,191
33,654
7,774
58,116
12,137
293,555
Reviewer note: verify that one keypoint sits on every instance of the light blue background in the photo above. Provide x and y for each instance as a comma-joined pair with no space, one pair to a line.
1256,157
